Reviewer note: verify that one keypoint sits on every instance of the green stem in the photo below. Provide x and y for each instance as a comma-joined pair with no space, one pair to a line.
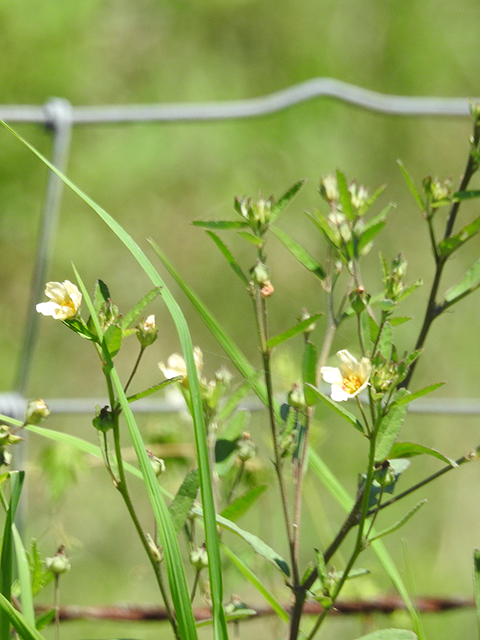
134,370
57,606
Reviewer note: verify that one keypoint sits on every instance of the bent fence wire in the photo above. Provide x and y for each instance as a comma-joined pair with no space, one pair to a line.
59,117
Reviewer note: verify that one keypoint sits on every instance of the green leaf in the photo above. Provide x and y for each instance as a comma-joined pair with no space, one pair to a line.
25,630
250,237
399,320
101,295
236,397
388,431
45,619
241,505
321,568
447,246
390,634
23,570
256,543
469,282
220,224
410,449
229,257
301,254
345,197
309,368
113,339
349,417
285,199
6,566
182,504
154,389
366,330
409,397
465,195
476,577
409,290
134,314
322,225
248,573
368,235
224,449
385,341
80,329
411,186
61,466
370,201
400,523
293,331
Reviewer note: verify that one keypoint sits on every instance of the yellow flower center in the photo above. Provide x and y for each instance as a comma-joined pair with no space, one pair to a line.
351,383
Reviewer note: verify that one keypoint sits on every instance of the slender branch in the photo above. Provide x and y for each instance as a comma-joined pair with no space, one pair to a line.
134,370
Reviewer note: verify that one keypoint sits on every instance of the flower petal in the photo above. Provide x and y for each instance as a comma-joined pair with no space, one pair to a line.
332,375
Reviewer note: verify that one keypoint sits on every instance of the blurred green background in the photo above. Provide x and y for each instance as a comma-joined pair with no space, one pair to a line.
155,178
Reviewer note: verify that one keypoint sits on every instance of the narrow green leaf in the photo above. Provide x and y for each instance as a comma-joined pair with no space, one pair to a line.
250,237
236,425
309,368
399,320
166,531
229,257
321,568
409,290
368,235
285,199
102,295
154,389
405,399
345,196
45,619
322,225
6,566
400,523
182,504
370,201
220,224
469,282
80,329
301,254
258,545
23,568
410,449
248,573
365,326
447,246
476,579
466,195
411,186
134,314
241,505
390,634
349,417
293,331
236,397
25,630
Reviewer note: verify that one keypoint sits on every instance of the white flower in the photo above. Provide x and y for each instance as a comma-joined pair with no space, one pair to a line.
65,300
175,365
350,378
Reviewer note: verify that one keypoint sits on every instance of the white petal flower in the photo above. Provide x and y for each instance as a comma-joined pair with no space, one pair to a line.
349,379
65,300
175,365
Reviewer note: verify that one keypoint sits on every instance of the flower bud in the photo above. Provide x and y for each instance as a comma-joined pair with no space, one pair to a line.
311,327
223,376
359,300
147,331
296,397
59,563
246,448
329,189
158,464
37,412
260,273
156,550
199,558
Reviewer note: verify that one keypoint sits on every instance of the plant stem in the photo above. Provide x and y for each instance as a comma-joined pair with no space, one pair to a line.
134,370
57,606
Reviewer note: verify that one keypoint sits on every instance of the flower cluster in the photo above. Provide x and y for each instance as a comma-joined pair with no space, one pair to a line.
349,378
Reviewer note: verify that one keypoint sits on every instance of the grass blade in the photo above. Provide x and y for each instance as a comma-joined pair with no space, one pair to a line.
25,630
24,578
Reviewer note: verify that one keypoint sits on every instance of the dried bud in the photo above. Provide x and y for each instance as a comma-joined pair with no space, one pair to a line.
104,419
311,327
156,550
59,563
37,412
147,331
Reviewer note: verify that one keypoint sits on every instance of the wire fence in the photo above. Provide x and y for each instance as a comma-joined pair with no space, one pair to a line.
59,117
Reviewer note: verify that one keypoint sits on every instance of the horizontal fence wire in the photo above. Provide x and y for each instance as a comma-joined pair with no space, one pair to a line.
59,117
